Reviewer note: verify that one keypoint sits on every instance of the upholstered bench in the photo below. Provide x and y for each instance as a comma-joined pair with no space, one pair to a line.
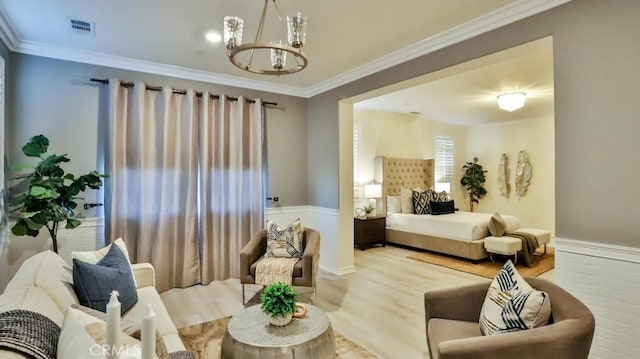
510,246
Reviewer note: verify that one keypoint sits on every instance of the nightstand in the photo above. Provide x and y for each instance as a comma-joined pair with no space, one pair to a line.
369,231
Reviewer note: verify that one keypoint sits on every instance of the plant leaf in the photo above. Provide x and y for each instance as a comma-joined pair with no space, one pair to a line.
20,167
72,223
20,228
36,146
42,193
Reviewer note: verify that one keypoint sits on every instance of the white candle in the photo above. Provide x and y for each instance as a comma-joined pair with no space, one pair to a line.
148,334
113,326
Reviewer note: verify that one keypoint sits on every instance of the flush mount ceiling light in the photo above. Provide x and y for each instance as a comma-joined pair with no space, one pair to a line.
511,101
267,58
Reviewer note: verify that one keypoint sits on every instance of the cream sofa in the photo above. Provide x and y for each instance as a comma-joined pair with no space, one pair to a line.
43,284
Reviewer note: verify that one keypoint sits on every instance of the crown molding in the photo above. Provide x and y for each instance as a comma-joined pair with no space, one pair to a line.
507,14
8,33
101,59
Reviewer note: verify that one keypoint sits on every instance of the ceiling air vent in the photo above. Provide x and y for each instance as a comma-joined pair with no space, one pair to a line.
81,26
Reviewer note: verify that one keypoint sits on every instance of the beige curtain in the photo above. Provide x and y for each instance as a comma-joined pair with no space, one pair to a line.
152,163
231,178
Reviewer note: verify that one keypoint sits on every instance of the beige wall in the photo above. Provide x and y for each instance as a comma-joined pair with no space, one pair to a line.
535,136
51,97
404,136
597,82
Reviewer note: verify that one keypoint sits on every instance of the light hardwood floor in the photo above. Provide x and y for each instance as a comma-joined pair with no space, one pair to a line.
380,306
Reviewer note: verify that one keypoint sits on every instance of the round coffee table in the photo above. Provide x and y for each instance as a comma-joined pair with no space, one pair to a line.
249,335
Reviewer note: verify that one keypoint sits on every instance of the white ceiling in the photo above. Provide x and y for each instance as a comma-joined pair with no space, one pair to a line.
466,94
346,39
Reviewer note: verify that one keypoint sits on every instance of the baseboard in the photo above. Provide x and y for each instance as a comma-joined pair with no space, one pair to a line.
338,271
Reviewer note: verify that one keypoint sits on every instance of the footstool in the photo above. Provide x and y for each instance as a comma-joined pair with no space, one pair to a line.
508,246
542,236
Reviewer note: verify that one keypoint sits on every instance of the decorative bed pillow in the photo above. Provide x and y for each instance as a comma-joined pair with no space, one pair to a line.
497,225
442,207
421,201
440,196
84,336
394,204
406,200
511,304
93,283
284,242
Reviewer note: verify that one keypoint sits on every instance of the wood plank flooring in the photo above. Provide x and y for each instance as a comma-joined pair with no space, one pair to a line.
380,306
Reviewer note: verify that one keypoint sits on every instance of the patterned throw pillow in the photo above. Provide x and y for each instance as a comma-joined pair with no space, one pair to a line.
440,197
512,305
284,242
422,199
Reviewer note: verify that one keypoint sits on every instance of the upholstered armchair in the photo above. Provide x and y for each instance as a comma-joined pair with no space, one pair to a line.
304,272
452,317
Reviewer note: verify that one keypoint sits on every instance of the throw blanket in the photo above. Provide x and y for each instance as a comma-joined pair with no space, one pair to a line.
498,228
29,333
529,245
271,270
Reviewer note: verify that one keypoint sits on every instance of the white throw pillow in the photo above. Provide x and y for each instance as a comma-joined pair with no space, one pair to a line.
284,242
94,257
83,336
512,304
406,199
394,204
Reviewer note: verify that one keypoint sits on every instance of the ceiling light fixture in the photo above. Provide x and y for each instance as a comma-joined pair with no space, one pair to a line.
511,101
213,36
243,55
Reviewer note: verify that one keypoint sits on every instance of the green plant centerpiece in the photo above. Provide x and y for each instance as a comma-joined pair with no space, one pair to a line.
368,209
51,194
279,303
473,180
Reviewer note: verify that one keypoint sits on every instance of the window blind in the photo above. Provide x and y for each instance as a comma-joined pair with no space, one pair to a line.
444,160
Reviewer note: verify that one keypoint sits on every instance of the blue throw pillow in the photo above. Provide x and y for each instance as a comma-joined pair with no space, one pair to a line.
93,283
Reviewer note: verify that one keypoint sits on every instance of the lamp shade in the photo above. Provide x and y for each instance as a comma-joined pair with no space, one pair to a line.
372,191
511,101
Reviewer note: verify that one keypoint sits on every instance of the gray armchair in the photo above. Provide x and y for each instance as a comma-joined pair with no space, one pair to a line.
304,272
453,332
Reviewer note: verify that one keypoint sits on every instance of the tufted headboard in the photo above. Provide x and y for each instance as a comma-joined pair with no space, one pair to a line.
395,173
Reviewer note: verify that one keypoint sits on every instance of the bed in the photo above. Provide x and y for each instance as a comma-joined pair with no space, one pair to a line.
460,234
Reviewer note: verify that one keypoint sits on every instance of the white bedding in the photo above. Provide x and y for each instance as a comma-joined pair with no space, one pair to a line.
463,226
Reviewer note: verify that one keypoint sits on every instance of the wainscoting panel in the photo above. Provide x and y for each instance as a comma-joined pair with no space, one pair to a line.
607,279
325,220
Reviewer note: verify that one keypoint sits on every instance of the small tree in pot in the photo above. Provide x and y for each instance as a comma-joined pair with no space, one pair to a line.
51,194
473,179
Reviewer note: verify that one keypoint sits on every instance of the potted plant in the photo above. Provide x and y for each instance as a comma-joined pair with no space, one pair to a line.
279,303
51,194
368,210
473,179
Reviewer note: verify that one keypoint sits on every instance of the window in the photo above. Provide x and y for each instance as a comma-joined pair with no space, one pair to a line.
443,160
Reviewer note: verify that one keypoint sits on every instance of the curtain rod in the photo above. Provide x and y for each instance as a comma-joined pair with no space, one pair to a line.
177,91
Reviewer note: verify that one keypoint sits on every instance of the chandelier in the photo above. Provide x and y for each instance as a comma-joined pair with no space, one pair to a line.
511,101
267,58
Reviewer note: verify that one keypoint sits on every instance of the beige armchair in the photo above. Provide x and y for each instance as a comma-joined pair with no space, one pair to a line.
304,272
453,331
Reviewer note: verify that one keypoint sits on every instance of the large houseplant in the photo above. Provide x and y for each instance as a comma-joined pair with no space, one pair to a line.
279,303
50,195
473,179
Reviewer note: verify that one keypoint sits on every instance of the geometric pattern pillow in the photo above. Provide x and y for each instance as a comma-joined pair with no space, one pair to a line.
284,242
511,304
421,201
440,197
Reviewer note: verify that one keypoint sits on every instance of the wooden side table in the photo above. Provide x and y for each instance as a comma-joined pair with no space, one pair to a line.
369,231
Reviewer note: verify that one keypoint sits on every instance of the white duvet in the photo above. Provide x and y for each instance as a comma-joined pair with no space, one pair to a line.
463,226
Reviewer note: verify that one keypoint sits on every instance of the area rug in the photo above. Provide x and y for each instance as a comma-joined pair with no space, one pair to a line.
487,268
204,341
